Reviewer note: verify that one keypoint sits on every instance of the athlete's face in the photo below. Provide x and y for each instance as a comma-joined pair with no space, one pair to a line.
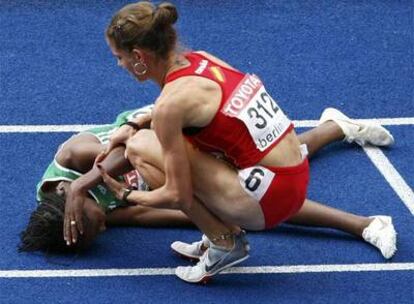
125,60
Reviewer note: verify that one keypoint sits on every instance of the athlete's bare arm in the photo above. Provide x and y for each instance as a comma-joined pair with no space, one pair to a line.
177,186
173,111
79,154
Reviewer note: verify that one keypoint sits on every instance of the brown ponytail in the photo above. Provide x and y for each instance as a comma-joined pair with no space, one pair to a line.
165,15
144,25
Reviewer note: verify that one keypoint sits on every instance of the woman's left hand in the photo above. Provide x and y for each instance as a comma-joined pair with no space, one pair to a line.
73,222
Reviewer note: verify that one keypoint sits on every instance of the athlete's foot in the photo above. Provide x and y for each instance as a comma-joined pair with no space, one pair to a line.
192,251
381,233
214,260
360,132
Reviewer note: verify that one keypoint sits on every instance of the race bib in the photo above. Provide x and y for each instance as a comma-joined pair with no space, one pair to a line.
251,104
256,180
134,180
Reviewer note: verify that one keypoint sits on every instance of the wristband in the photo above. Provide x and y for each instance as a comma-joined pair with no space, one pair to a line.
132,124
126,193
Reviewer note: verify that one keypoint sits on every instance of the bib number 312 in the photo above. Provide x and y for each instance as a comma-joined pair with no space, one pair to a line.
251,104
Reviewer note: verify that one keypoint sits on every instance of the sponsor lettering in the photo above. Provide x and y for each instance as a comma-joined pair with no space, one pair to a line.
242,95
267,139
201,67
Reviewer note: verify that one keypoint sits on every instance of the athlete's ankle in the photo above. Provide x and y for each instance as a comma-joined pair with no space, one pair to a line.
224,241
364,224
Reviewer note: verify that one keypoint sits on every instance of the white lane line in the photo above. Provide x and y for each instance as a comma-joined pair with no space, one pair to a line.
79,128
112,272
383,121
403,190
45,128
392,121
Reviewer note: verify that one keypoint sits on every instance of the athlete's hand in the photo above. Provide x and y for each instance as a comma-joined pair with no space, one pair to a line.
119,137
95,224
116,187
73,224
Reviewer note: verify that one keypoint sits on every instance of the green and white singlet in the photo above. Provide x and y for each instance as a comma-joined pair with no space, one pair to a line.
102,195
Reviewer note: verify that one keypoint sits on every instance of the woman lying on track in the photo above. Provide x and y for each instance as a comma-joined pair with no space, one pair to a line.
72,168
72,172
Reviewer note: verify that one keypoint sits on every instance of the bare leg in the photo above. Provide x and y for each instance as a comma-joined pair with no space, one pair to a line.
321,136
144,153
377,231
147,217
215,184
311,214
316,214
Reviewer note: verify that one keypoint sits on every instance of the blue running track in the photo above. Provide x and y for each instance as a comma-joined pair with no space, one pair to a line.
358,56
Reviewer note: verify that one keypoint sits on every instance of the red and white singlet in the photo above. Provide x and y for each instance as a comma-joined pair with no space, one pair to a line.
247,125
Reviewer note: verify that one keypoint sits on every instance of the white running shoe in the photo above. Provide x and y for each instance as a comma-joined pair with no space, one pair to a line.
192,251
214,260
360,132
381,233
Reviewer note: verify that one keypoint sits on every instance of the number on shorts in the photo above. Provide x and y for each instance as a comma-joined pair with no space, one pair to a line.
254,179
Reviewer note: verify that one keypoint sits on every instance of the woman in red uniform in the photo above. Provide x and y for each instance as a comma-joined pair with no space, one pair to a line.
222,111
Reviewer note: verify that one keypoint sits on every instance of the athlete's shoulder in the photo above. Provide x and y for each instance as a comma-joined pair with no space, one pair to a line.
215,60
174,94
190,90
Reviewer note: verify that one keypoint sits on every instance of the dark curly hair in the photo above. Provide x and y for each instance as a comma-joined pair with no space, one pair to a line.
44,231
